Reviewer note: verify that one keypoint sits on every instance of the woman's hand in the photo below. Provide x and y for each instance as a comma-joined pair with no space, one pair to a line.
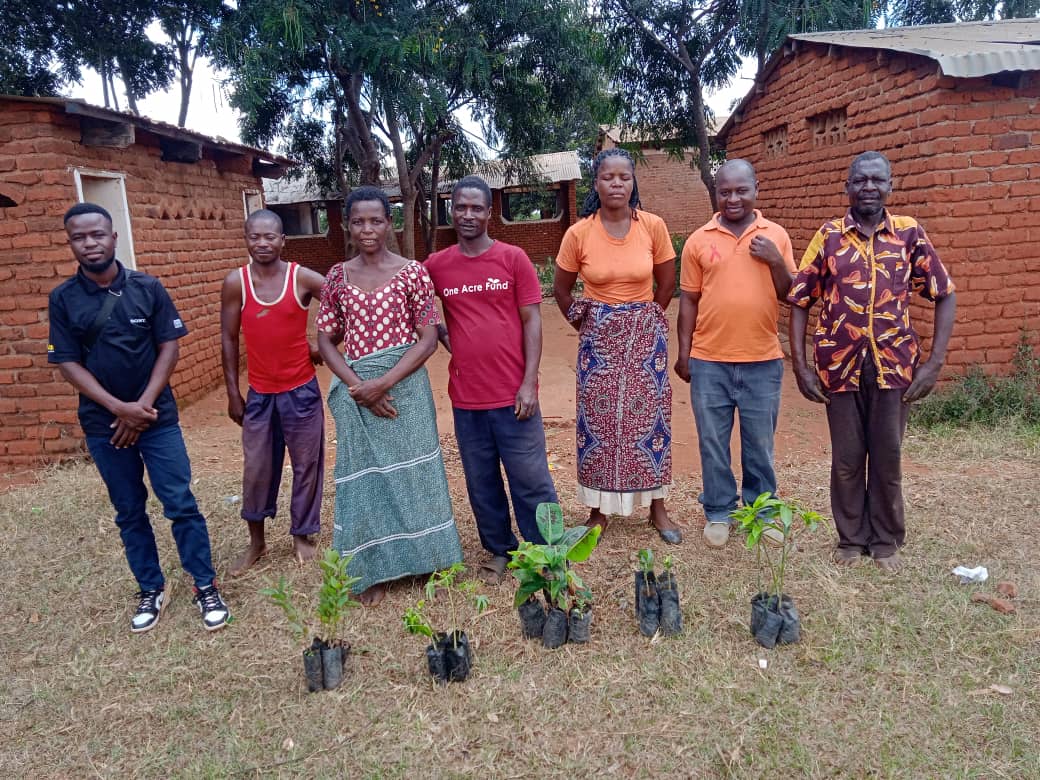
368,392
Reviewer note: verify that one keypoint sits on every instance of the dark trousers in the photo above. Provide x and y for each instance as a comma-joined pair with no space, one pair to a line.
273,422
867,429
491,440
162,452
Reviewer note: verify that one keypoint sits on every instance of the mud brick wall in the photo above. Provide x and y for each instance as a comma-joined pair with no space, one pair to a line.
540,239
965,159
187,222
320,252
669,188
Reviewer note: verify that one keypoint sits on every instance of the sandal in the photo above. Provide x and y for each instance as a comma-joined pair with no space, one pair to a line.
493,571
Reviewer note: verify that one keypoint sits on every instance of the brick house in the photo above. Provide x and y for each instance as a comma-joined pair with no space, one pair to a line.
532,215
178,201
668,186
956,108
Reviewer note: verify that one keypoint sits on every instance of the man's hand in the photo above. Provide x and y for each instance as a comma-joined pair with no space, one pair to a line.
316,358
682,369
135,415
443,337
526,402
124,435
809,384
925,377
765,250
236,407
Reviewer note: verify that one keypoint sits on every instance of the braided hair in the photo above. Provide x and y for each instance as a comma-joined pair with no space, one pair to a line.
592,204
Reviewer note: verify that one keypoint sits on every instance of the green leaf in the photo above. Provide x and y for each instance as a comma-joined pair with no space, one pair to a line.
549,517
583,548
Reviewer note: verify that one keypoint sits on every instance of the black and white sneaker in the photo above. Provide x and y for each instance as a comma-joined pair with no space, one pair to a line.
215,613
149,610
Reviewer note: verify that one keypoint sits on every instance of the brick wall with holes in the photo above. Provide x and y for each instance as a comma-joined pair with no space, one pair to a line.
965,157
672,190
187,223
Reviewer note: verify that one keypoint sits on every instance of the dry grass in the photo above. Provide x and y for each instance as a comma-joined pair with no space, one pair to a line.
892,678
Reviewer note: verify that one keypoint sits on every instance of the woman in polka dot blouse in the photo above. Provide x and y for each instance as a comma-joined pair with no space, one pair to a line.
393,510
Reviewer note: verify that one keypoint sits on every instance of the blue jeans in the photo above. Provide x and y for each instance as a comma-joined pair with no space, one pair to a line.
716,391
162,451
493,439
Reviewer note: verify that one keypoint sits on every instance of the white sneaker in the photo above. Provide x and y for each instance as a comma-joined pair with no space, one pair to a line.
716,534
215,613
149,610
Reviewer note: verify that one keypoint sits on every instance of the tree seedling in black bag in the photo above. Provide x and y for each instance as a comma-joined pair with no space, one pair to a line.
648,601
324,662
546,569
448,656
668,592
774,619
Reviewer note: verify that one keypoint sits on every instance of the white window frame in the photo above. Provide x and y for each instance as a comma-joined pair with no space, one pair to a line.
126,252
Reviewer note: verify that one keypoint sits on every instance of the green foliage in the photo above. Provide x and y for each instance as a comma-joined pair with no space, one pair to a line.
334,598
786,517
446,584
546,567
1011,402
646,560
667,563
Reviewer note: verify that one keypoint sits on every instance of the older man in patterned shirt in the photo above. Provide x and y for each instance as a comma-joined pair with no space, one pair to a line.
863,267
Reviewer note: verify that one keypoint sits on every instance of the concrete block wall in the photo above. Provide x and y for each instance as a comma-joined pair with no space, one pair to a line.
187,222
965,159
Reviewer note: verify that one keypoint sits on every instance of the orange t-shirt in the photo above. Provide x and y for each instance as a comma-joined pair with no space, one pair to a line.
736,316
616,270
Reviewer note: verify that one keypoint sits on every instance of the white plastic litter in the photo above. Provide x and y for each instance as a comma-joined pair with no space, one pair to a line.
231,499
978,574
763,663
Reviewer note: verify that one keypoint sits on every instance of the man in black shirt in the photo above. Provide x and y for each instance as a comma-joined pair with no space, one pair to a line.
113,336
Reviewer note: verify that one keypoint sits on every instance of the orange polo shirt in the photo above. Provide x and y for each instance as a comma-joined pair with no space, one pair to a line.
736,316
616,270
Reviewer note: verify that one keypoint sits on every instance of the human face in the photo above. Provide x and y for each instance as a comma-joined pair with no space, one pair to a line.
264,240
369,225
93,241
735,192
868,187
614,182
470,212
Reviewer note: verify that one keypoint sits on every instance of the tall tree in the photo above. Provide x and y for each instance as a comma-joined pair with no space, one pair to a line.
390,78
190,25
36,58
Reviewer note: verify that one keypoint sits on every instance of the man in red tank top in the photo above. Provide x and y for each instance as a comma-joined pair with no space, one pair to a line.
267,301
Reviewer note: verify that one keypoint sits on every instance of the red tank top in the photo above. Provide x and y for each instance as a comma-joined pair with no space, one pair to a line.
276,336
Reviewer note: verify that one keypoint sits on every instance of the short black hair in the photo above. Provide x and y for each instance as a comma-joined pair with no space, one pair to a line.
472,183
265,214
367,193
87,208
867,157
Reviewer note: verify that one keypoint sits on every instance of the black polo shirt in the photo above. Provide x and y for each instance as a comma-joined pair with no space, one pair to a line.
124,353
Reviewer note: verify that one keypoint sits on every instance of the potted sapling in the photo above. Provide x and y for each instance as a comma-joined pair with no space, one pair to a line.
546,568
648,601
324,662
668,593
774,618
448,656
579,622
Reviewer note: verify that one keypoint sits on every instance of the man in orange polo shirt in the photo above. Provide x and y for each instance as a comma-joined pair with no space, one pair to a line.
735,270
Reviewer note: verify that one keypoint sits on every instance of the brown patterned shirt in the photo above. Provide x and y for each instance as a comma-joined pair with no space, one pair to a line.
865,284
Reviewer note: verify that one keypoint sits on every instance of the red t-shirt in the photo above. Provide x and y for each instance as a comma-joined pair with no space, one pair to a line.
279,357
482,297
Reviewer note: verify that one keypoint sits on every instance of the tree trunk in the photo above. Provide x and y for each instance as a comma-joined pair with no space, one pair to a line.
435,202
703,143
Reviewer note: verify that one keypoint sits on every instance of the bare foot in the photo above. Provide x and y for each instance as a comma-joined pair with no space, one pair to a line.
890,563
246,560
846,556
372,596
305,548
659,516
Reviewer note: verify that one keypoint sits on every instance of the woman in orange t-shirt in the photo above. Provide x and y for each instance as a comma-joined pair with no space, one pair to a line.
624,399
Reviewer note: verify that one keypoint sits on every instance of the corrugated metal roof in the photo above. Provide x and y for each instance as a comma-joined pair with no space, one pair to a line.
963,50
499,174
165,129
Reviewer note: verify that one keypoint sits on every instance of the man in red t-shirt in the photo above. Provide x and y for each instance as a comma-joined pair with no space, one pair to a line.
491,297
267,301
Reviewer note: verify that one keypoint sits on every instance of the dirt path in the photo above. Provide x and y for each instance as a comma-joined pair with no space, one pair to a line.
801,436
